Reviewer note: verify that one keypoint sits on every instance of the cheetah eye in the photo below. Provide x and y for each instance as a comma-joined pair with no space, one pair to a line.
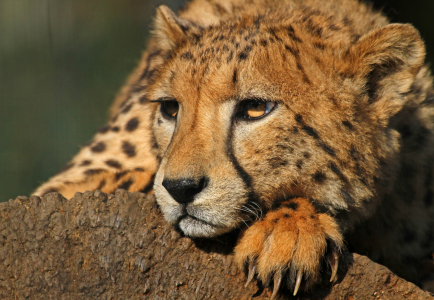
169,109
254,109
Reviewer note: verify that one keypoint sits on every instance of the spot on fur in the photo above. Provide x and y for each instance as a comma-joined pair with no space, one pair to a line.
126,185
132,124
105,129
98,147
348,125
113,163
319,177
94,171
291,205
129,149
86,162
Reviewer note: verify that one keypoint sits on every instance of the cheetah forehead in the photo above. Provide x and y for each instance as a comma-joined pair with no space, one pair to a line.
307,42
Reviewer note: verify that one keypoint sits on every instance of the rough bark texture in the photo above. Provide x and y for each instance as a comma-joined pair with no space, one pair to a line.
98,246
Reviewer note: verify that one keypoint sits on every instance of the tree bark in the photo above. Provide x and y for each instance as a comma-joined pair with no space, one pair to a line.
98,246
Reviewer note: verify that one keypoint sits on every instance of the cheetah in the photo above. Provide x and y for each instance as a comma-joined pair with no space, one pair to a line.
307,125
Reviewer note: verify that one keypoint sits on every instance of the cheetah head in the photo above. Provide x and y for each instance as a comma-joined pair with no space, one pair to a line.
260,109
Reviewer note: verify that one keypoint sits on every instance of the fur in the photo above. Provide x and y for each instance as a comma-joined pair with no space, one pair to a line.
349,139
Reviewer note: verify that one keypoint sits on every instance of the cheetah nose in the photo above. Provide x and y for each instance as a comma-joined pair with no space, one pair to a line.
183,190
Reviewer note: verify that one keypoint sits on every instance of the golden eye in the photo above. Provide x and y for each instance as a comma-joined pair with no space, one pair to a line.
170,108
254,109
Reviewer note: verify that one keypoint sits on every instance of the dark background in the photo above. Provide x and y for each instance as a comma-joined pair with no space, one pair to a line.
63,61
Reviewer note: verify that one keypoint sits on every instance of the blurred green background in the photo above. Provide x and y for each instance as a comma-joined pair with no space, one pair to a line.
63,61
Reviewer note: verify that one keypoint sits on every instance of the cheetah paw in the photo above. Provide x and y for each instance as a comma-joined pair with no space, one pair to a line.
290,244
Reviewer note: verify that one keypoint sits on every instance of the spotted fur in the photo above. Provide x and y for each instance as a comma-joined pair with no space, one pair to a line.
351,136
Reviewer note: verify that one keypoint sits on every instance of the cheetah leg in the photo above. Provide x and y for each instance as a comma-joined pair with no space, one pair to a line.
289,245
108,182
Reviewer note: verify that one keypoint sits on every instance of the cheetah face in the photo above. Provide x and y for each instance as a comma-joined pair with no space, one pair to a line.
250,115
236,138
202,185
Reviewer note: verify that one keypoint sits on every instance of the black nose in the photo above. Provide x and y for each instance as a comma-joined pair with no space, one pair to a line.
183,190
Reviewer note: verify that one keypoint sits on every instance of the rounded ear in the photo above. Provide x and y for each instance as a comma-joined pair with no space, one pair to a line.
169,29
387,61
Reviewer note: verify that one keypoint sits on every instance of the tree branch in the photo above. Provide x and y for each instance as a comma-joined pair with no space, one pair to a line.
120,247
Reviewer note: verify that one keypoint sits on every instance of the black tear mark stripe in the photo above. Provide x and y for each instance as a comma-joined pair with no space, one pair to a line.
313,133
247,179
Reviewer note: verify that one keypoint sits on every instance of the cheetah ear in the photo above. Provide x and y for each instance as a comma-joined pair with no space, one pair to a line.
385,62
169,29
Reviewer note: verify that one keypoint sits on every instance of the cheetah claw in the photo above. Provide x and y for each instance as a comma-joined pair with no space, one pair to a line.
277,284
334,263
252,269
298,282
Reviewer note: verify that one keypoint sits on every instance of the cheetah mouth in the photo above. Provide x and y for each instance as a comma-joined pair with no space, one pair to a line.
195,227
193,220
194,215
